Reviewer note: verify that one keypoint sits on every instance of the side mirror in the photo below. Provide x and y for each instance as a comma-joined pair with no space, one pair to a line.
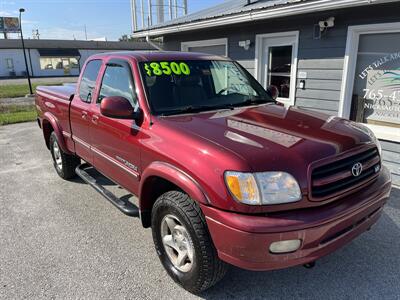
273,91
117,107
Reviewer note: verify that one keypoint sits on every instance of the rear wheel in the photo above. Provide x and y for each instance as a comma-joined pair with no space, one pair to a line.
183,242
64,164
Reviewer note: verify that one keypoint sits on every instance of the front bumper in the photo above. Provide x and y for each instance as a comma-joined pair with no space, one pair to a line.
244,240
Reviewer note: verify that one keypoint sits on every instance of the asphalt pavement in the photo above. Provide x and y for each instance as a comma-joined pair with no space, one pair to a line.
62,240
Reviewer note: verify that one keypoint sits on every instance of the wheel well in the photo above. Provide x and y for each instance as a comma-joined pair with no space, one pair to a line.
153,188
47,130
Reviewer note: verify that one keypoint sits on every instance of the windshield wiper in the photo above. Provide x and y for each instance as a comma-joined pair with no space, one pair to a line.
200,108
189,109
252,101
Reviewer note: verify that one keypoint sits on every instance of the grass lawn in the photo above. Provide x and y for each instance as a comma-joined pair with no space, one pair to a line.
10,114
19,90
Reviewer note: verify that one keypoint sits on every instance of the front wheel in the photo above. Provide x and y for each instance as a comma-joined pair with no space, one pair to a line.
63,163
183,242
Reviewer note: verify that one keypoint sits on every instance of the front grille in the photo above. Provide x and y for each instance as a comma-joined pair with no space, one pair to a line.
335,178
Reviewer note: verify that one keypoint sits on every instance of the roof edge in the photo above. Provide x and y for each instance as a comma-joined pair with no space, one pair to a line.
289,10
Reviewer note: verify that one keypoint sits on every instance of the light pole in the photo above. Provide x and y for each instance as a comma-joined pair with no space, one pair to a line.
21,10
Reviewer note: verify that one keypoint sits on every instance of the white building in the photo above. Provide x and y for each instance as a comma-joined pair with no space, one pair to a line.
47,58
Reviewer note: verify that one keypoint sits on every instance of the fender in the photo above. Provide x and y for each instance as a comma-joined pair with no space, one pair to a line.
174,175
53,121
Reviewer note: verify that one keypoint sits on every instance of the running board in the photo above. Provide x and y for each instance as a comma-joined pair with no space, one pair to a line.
124,206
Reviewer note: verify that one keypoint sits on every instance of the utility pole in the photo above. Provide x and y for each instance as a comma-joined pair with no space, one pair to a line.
21,10
85,32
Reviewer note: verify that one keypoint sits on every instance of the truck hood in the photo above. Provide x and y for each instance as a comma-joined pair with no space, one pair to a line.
273,138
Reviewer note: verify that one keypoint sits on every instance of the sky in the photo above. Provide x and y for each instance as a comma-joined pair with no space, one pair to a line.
66,19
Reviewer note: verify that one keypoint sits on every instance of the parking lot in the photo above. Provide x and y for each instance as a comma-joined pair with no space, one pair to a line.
61,239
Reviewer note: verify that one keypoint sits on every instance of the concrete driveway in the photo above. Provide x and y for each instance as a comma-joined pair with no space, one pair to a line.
61,239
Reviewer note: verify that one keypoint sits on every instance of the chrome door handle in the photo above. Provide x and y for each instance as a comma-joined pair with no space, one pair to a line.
84,114
95,118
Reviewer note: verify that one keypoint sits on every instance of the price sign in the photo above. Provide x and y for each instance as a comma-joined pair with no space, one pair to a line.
167,68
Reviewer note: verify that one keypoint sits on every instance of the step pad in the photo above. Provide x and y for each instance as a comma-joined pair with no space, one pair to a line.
123,205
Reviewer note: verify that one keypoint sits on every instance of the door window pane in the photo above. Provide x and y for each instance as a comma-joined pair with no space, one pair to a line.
88,80
376,93
117,82
279,69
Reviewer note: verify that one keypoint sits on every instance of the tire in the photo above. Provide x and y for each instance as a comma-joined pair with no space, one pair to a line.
64,164
202,268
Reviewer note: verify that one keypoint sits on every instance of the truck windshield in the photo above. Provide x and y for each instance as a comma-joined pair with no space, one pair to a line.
176,87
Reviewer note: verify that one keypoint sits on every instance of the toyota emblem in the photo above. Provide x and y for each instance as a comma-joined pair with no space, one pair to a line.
357,169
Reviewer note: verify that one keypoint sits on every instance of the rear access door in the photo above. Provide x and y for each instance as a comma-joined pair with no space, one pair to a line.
80,111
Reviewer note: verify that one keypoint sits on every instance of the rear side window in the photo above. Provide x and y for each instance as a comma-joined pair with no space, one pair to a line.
117,81
88,80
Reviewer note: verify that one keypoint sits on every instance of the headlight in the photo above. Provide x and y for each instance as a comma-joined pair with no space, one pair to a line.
263,188
371,134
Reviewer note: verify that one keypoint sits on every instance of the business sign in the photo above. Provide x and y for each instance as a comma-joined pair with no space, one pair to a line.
382,92
9,24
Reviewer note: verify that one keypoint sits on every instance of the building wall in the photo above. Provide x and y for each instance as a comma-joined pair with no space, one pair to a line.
34,63
18,58
322,59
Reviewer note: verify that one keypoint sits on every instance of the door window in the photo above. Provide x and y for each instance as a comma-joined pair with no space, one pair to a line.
376,92
88,81
117,82
279,69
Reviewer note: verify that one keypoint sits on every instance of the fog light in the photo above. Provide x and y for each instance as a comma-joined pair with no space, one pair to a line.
285,246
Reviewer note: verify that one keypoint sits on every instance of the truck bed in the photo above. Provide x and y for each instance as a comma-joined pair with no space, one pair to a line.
63,92
54,102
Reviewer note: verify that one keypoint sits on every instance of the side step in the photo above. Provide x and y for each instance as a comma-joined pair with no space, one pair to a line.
125,206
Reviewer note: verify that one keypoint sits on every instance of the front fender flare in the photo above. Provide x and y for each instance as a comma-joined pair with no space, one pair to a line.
174,175
54,123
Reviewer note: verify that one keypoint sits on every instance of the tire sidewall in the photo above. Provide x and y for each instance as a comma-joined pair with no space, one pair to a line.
53,139
186,279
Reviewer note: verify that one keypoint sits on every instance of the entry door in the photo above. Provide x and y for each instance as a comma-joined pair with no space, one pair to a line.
278,64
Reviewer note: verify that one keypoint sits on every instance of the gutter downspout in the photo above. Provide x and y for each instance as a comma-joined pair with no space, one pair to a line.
151,43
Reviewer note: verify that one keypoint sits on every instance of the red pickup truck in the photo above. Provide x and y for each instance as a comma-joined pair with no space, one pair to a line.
223,173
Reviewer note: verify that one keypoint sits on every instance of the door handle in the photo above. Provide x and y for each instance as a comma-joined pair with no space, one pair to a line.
84,114
95,118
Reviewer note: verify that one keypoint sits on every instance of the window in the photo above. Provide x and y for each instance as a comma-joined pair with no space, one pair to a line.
117,82
53,63
216,46
10,64
190,86
371,88
88,80
376,92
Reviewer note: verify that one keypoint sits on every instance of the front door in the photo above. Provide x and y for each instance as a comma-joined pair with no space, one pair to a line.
80,112
278,63
115,142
